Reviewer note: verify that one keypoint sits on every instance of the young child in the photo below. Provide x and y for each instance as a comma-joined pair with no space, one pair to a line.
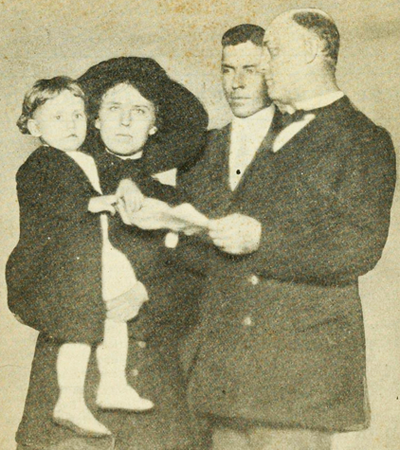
64,274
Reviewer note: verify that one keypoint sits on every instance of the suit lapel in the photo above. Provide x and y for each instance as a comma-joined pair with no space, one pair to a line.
221,148
78,171
218,191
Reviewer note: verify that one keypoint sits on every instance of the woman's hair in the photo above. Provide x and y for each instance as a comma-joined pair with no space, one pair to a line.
42,91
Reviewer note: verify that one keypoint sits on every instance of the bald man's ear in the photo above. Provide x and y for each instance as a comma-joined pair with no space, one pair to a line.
313,47
33,128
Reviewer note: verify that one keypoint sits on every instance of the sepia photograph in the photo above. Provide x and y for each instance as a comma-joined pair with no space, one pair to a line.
200,225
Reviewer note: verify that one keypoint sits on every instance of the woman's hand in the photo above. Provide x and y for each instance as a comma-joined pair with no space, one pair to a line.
151,216
102,204
129,196
126,306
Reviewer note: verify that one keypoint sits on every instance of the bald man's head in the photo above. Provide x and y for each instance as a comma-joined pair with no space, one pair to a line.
319,24
322,25
302,50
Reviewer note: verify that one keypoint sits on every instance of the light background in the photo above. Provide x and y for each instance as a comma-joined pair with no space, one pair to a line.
44,38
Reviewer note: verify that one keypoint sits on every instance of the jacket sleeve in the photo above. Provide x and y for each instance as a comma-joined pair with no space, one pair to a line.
343,239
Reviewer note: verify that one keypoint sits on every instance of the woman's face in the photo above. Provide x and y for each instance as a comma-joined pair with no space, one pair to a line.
126,119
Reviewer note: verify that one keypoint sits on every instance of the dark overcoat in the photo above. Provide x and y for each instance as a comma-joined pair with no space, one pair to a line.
153,364
54,272
281,338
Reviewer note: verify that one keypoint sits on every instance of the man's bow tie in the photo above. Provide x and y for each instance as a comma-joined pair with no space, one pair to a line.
287,119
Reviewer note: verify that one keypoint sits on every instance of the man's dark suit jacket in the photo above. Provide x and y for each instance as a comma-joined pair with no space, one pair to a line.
281,337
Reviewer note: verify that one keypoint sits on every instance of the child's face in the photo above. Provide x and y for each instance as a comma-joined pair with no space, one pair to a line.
60,122
126,119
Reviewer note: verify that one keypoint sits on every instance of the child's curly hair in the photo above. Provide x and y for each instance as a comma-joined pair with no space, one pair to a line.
42,91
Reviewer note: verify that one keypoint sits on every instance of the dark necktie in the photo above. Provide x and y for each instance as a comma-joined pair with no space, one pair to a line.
287,119
281,121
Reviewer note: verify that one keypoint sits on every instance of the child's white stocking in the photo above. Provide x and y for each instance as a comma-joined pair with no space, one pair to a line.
114,391
71,409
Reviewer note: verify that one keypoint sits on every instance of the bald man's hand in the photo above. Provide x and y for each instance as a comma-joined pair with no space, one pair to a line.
236,234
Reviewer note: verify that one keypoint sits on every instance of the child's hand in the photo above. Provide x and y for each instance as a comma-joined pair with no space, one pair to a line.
129,196
103,204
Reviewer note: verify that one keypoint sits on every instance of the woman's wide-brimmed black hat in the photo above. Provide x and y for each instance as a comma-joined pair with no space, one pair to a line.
181,119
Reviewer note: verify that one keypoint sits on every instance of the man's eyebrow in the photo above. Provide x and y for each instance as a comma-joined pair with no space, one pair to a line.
227,65
250,66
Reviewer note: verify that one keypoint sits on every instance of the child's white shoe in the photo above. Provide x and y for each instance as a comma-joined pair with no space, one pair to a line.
79,419
125,398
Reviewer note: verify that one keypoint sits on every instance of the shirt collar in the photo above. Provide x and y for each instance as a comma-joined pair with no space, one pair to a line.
264,115
316,102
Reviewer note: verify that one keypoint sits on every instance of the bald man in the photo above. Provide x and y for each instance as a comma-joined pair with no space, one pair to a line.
280,360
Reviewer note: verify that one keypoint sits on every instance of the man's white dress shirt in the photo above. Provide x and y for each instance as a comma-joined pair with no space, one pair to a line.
247,135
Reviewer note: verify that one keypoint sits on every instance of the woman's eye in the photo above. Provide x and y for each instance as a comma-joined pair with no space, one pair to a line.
113,108
58,117
79,115
251,70
139,111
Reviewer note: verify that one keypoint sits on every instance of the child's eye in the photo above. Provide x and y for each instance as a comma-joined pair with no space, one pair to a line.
79,115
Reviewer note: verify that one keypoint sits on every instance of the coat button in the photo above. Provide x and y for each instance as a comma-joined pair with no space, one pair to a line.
254,280
247,322
134,372
142,344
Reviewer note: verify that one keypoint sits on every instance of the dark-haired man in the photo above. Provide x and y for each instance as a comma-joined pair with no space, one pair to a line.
243,84
280,360
246,93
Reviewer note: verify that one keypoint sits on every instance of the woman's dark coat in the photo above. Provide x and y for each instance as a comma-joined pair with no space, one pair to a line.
153,362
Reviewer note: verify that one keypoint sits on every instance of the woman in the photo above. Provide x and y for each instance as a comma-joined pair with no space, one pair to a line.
142,123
